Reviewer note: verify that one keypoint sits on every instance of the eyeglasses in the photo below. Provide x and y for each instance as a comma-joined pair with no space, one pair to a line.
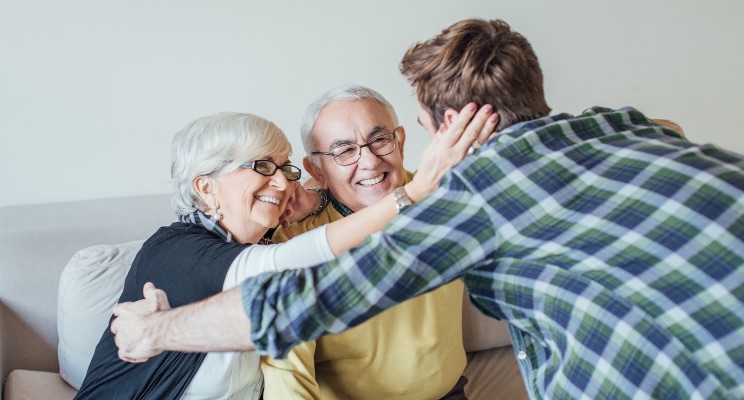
347,154
268,168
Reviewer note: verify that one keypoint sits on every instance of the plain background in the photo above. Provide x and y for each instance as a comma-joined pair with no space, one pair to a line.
92,92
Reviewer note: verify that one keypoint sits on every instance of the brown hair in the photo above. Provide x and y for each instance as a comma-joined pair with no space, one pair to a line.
481,61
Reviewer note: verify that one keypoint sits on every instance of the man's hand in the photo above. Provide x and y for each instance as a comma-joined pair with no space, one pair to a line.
671,125
301,203
133,329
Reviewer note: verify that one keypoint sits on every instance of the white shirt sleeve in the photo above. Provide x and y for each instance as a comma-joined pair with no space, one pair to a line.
310,248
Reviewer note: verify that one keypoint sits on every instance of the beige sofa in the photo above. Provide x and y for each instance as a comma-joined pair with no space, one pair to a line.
37,241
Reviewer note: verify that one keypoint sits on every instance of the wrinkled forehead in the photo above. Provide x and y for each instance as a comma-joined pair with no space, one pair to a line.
354,121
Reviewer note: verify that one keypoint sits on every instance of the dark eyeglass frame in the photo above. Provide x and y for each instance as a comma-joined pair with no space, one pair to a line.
359,149
290,172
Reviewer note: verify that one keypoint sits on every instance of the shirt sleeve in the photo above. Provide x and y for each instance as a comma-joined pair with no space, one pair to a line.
430,244
305,250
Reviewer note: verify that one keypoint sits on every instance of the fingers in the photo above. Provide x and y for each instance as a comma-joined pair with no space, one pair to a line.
459,123
162,300
293,195
468,128
476,129
115,326
148,289
123,353
284,220
488,129
151,296
132,360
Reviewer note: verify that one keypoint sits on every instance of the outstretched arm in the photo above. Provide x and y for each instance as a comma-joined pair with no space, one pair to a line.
220,322
146,328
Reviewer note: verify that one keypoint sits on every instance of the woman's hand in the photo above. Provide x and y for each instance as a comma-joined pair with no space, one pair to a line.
449,145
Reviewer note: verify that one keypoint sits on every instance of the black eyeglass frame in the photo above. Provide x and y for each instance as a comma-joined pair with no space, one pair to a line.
286,169
361,146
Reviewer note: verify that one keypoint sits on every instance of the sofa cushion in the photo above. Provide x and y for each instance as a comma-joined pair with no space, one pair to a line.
37,385
494,374
480,332
89,287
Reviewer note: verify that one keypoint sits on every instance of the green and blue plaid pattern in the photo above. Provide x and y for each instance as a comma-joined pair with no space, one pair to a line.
613,247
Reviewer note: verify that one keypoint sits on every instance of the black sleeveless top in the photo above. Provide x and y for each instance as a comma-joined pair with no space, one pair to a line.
190,264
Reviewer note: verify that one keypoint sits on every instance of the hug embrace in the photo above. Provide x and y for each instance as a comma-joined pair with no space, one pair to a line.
611,246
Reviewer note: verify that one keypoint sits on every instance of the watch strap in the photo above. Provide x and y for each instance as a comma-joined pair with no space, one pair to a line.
401,199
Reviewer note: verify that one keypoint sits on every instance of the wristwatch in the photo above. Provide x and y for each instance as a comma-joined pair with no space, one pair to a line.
401,199
323,199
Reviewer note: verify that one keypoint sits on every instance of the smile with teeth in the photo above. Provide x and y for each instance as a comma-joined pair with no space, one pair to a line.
268,199
373,181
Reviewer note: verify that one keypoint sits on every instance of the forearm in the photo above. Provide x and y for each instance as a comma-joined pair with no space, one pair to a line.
389,268
218,323
313,245
350,231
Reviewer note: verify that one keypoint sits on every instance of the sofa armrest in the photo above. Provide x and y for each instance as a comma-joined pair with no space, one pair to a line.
3,372
36,242
480,332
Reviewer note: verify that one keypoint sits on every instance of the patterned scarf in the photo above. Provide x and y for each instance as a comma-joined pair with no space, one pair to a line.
209,223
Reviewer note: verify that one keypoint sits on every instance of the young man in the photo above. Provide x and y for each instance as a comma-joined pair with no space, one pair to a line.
612,246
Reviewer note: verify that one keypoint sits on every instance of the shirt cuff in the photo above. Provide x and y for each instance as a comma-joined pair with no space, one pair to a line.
262,316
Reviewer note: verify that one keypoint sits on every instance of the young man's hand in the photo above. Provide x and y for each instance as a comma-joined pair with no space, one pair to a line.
132,328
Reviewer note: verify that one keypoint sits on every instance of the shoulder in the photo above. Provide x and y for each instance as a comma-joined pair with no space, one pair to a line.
326,216
408,176
186,245
183,234
185,260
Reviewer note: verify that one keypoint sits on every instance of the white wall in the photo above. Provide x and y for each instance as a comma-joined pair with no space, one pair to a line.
91,92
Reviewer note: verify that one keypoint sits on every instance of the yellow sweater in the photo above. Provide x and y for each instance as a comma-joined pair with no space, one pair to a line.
411,351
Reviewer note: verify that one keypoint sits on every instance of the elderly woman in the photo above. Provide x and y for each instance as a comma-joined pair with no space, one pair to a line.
233,182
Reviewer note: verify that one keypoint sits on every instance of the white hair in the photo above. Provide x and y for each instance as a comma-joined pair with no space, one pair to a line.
218,144
341,93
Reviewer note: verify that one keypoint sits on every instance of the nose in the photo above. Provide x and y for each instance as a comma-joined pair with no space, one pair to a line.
367,159
279,181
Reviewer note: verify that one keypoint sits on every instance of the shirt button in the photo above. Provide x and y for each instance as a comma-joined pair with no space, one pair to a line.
521,355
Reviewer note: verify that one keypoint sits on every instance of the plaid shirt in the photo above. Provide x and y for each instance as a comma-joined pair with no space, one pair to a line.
613,247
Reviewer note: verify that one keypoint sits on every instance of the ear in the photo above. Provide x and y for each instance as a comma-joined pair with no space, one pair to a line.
204,187
400,137
314,171
449,115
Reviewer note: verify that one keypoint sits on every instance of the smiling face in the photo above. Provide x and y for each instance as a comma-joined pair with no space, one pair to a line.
372,177
251,203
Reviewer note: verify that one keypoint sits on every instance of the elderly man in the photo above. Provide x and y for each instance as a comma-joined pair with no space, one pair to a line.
355,153
612,246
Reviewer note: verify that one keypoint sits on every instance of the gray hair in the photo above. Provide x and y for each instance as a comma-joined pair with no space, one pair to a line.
341,93
219,144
